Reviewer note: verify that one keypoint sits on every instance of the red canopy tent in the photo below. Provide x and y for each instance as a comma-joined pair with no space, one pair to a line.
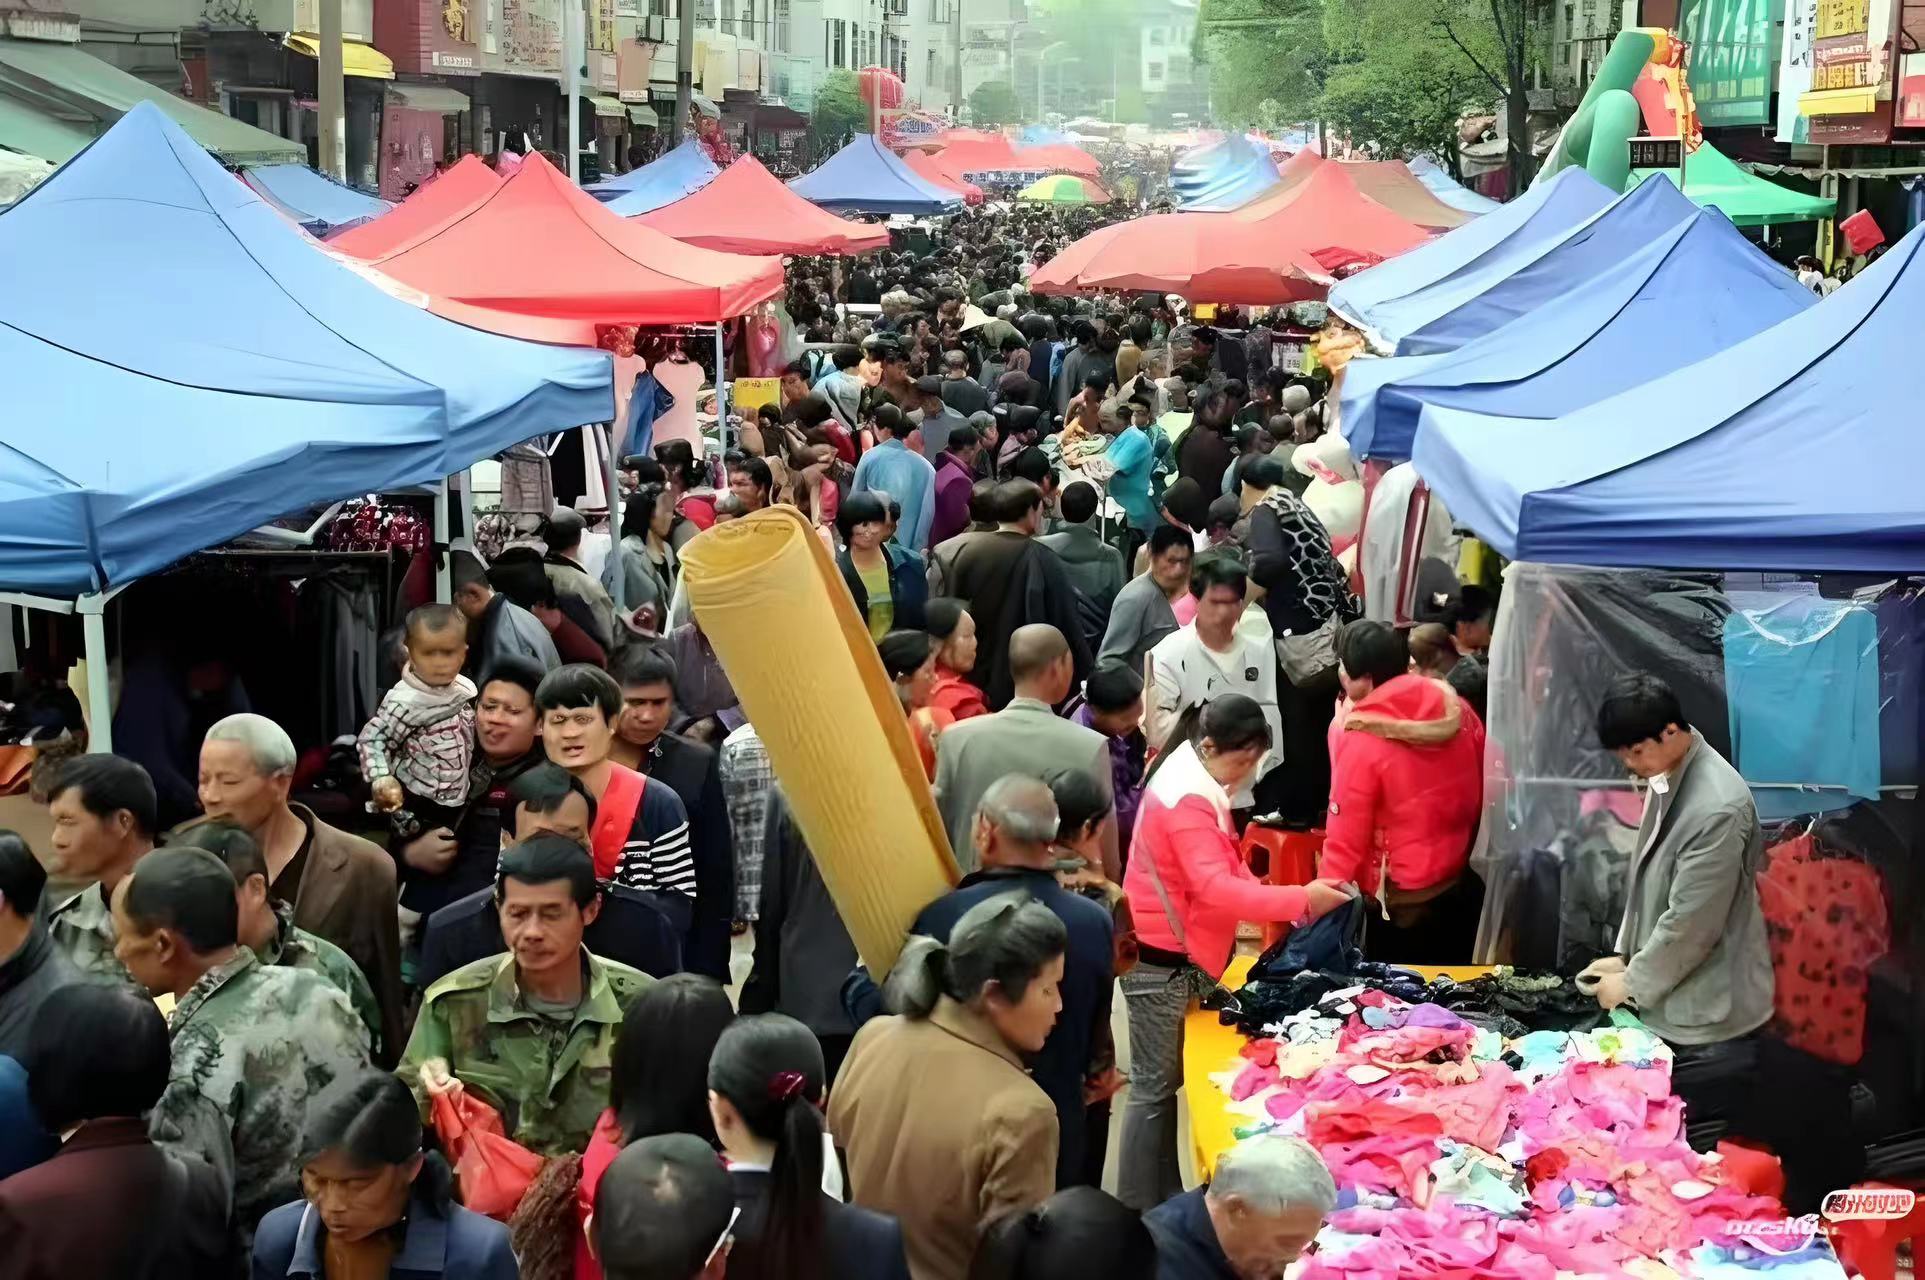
1280,248
931,167
747,209
435,203
1391,184
540,258
977,155
1058,157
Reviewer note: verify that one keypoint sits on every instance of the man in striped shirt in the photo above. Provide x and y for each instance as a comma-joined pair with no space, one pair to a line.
640,835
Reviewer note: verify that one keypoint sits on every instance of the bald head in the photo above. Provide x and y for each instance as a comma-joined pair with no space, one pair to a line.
1015,822
1040,664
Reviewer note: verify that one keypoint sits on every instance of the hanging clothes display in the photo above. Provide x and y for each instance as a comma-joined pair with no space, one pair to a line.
527,480
1801,674
648,401
683,379
1827,923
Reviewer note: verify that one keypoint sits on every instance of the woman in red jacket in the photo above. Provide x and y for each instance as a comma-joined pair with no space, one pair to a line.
1188,889
1406,792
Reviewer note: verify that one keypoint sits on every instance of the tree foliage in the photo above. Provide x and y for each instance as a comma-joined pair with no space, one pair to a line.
839,108
1391,74
994,103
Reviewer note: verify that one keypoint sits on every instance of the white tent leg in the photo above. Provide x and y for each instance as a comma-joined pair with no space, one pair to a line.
444,569
721,391
100,711
617,587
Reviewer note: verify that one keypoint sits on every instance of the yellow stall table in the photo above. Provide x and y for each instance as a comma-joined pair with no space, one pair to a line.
1210,1047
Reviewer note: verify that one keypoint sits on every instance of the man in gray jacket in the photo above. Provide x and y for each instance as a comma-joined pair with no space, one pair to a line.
1692,955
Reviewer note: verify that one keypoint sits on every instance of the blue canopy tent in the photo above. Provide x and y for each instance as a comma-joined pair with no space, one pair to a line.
317,202
1474,303
1401,294
1780,453
1697,289
1224,175
867,177
662,181
1448,189
185,366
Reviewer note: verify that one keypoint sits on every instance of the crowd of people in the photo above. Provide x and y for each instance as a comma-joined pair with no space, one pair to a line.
1084,540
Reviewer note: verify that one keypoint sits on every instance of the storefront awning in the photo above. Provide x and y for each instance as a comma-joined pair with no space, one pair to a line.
357,59
642,117
609,107
29,130
429,97
78,84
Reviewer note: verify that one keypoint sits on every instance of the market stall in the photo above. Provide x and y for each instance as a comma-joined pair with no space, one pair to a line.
1397,297
1448,189
1697,289
673,176
437,202
867,177
748,210
1483,1124
1391,184
318,203
299,382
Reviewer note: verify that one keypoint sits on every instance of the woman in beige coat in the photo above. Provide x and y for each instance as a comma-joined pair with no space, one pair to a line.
942,1126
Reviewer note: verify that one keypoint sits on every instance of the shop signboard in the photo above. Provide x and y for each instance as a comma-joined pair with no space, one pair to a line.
511,37
1911,91
1657,153
1731,50
1794,69
1850,99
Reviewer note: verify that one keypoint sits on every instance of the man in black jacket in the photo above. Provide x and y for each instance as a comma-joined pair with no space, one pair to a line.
1011,581
693,772
32,969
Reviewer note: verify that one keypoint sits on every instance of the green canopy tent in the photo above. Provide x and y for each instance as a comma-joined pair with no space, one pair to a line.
1063,188
1713,180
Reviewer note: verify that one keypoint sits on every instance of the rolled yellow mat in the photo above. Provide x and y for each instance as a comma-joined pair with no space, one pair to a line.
770,599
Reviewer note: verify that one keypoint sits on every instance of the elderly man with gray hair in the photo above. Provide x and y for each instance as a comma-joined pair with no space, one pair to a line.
1014,833
1260,1212
342,888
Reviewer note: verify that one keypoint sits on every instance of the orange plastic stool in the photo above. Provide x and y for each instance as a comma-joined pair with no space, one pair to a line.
1870,1248
1278,855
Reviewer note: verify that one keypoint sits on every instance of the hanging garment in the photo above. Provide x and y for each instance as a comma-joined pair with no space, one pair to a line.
1827,924
1801,673
649,401
527,483
683,380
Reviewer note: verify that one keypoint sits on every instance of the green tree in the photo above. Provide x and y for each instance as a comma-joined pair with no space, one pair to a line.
994,103
1267,60
839,108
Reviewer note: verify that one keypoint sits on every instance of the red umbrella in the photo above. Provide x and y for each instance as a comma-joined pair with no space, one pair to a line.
932,168
1280,248
747,209
1058,157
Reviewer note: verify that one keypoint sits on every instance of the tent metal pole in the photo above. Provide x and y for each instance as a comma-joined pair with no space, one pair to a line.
721,392
444,562
100,710
616,587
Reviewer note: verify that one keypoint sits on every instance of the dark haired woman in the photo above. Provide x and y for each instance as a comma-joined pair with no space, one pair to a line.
948,620
887,582
657,1081
377,1206
949,1163
765,1092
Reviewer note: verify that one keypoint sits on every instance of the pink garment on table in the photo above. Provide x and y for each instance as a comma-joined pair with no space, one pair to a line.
1252,1080
1477,1113
1262,1052
1284,1104
1404,1044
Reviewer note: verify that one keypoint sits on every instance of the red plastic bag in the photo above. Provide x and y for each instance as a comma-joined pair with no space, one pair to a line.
492,1170
1861,231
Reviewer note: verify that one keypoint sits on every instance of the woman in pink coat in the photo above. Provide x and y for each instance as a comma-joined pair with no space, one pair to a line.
1188,889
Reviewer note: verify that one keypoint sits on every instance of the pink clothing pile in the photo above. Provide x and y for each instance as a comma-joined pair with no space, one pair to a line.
1459,1155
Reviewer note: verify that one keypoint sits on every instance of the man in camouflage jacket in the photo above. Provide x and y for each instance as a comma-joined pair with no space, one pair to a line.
252,1043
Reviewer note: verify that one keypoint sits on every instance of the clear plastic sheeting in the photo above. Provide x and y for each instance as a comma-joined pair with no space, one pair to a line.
1556,804
1811,686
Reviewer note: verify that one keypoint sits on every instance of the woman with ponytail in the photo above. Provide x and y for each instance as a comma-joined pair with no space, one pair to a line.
377,1204
942,1125
765,1094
